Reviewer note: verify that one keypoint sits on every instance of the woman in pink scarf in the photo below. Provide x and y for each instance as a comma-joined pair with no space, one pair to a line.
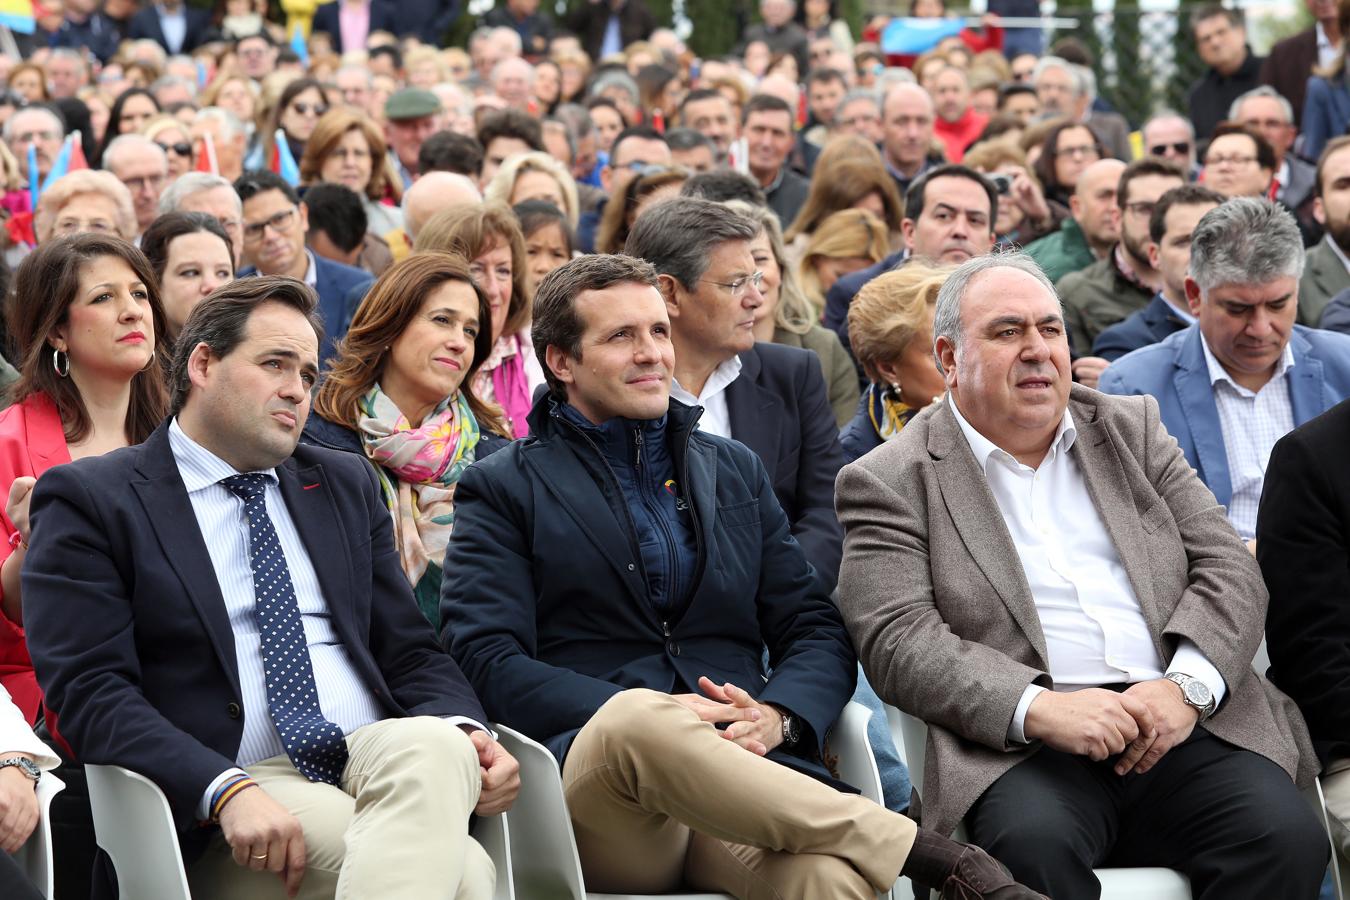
489,237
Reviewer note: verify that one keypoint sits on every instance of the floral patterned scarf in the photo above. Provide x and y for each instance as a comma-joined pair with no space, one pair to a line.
427,460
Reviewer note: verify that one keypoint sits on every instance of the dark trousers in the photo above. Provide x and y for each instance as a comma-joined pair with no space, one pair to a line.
14,883
1228,819
73,844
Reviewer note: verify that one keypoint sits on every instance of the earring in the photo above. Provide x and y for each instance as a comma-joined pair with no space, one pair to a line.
57,354
895,389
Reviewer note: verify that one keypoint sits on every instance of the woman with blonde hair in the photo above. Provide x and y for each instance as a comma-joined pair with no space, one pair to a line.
534,176
347,148
848,176
86,200
175,139
890,327
786,316
843,243
401,393
488,236
656,184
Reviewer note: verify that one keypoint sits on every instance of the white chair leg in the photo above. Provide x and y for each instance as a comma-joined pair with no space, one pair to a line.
35,856
495,837
134,826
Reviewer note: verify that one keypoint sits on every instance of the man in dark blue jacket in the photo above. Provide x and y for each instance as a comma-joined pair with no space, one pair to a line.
610,587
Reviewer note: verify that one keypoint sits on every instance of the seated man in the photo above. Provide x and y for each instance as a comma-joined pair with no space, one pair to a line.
1169,251
1228,388
1032,568
239,630
769,397
610,587
1304,554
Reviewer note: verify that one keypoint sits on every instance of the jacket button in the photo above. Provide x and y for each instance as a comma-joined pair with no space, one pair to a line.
233,710
673,647
632,567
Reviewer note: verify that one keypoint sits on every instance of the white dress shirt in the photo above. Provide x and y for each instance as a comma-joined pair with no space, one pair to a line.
716,418
1251,423
174,26
1326,49
343,697
1094,629
16,735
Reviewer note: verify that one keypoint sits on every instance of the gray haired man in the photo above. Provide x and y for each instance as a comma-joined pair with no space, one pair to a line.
210,194
1033,569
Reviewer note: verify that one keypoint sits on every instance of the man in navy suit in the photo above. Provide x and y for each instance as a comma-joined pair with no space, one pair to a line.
1230,386
173,24
611,585
769,397
275,224
224,612
380,15
1169,251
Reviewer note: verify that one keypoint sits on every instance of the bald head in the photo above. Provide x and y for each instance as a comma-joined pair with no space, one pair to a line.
907,127
432,193
1094,203
782,87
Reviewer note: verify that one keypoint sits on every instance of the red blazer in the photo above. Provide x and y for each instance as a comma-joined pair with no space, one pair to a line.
32,440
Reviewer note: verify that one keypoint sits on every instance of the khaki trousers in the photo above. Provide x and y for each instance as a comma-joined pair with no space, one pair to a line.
1336,789
397,829
660,800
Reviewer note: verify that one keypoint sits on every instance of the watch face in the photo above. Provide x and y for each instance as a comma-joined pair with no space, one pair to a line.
1197,693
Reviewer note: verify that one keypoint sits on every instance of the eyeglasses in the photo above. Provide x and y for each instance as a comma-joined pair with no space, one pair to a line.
1234,161
1267,124
1141,207
305,109
1083,150
30,137
1181,147
280,223
738,286
142,182
181,149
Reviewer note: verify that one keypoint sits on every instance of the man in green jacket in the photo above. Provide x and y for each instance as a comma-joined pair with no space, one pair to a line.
1094,228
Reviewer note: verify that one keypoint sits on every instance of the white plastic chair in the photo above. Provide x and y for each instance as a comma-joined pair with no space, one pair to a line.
1117,884
543,846
35,856
134,826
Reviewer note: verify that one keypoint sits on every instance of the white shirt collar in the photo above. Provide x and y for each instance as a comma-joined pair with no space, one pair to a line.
983,448
198,466
312,272
727,371
1218,373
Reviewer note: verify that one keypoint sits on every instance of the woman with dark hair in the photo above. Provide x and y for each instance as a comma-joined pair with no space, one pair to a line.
400,392
130,112
191,256
821,19
653,185
76,114
85,316
549,241
488,236
297,112
658,91
1069,148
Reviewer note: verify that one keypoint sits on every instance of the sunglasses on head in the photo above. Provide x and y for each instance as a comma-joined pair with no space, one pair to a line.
1161,149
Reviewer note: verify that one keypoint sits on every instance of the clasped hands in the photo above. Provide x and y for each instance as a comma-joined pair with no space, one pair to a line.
757,727
1141,724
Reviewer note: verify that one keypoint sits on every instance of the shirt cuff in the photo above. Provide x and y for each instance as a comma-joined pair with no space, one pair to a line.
465,720
1190,660
204,807
1017,730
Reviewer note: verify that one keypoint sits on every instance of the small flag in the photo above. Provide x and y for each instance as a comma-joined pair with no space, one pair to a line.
34,189
283,162
298,44
60,166
905,36
18,15
206,156
658,121
77,160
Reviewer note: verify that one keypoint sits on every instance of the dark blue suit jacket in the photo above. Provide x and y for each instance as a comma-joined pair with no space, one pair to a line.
130,636
145,24
1175,373
1141,328
779,408
382,18
840,297
341,290
545,607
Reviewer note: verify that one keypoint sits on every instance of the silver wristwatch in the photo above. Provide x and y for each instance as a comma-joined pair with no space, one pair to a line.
27,766
1195,693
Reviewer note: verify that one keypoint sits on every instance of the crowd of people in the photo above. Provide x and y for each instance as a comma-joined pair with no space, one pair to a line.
364,391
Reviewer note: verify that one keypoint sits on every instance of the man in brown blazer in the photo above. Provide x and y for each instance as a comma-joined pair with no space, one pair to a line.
1032,568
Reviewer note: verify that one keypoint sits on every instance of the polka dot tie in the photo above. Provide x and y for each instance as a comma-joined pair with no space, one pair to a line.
314,744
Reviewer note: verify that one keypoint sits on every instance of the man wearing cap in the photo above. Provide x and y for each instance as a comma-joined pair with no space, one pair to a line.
411,116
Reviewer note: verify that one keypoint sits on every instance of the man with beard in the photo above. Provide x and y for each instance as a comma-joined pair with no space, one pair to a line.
1124,281
1328,271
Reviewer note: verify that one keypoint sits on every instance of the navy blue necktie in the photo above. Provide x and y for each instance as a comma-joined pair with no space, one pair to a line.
314,744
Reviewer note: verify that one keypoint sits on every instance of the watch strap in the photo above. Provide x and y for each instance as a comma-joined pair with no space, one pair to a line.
24,764
1181,679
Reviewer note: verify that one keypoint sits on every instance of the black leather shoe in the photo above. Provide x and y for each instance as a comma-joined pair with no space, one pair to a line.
978,876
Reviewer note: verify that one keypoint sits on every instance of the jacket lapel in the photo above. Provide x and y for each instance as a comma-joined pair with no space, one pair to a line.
976,515
45,436
1196,395
751,411
1104,475
1306,380
312,508
168,509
